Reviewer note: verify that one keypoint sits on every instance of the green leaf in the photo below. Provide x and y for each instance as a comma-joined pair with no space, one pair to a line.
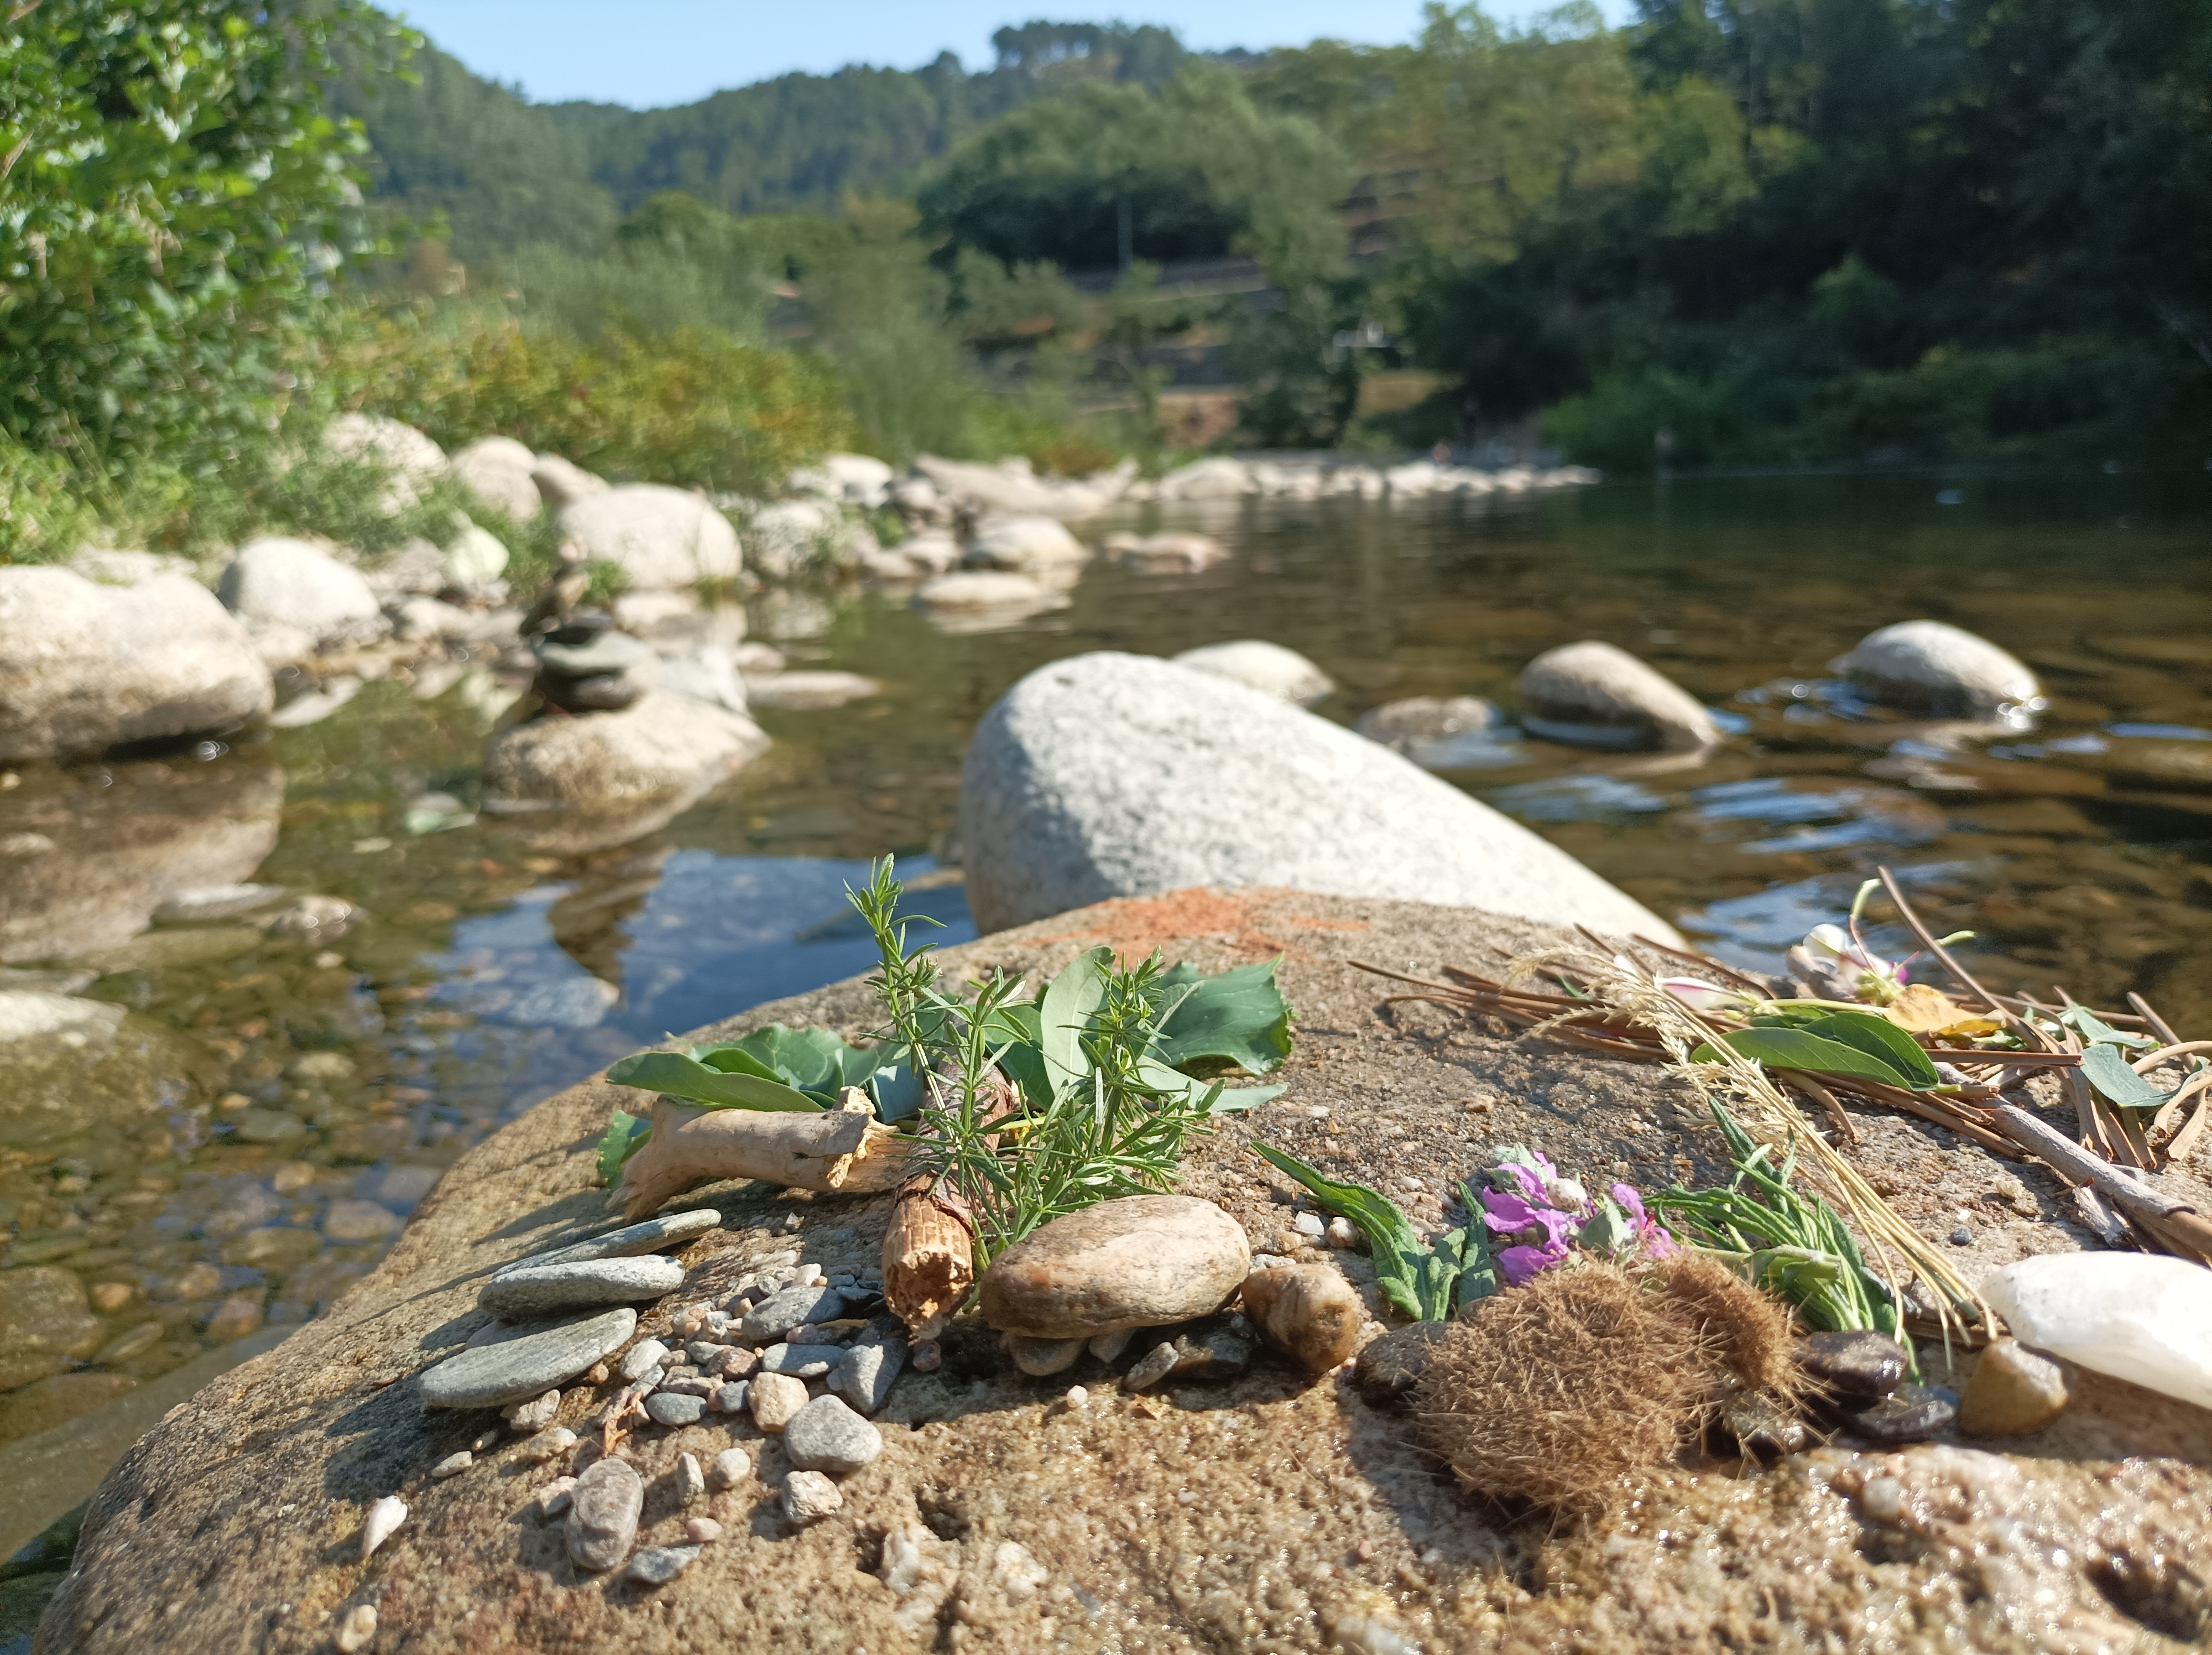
2094,1030
1238,1017
812,1059
1416,1280
1879,1037
1235,1100
625,1135
1795,1048
697,1082
2108,1071
1065,1011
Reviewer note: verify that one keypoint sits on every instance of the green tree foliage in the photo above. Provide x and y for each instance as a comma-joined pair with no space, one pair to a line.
175,200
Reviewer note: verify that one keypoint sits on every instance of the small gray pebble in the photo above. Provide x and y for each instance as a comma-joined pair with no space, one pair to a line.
602,1514
864,1378
826,1435
801,1361
1152,1368
701,1386
1041,1358
640,1358
731,1398
703,1352
780,1312
656,1566
668,1408
453,1465
1962,1236
548,1289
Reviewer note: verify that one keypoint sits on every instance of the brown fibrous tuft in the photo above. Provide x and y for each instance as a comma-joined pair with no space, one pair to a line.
1750,1330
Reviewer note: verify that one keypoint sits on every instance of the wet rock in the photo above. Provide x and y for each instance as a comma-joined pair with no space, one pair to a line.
602,1512
1763,1429
315,919
1308,1312
660,538
359,1220
808,691
1863,1364
412,459
780,1312
864,1377
1041,1358
1390,1366
656,1566
1595,695
291,583
826,1435
1154,1365
527,1361
497,470
86,667
2015,1391
1181,554
1268,796
1268,667
1437,733
671,1407
542,1289
809,1496
1911,1413
44,1321
1139,1261
775,1400
669,1230
1932,666
1024,543
2138,1317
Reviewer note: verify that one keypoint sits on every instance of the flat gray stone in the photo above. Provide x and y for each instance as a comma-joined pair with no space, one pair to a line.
641,1358
527,1361
673,1408
780,1312
545,1288
731,1398
603,1509
666,1230
825,1435
864,1378
1596,695
801,1361
656,1566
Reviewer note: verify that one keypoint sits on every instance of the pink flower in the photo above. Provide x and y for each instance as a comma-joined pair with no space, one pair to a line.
1522,1265
1650,1234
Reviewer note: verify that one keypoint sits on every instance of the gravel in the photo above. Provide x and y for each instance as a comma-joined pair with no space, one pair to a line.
669,1408
826,1435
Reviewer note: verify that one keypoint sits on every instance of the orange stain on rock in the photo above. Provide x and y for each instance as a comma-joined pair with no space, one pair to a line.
1134,926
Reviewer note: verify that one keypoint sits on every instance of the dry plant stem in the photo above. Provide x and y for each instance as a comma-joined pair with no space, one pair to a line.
1828,1101
843,1151
2021,1026
2150,1060
929,1256
2181,1227
2156,1024
2184,1143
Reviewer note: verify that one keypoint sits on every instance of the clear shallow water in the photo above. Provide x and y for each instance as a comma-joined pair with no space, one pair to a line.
242,1143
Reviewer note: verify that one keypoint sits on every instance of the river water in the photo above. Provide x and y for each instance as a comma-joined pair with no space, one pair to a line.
246,1117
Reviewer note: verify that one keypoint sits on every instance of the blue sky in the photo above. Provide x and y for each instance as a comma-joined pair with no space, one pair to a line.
664,52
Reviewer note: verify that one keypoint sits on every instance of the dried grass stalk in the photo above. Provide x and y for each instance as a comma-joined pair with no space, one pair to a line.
929,1256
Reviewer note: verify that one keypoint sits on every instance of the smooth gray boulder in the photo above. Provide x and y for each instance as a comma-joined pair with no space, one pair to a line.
518,1364
1440,733
1109,774
1597,694
660,538
84,667
279,581
1268,667
1024,542
497,470
1933,666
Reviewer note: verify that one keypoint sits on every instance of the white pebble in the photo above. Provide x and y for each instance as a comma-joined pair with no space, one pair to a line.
453,1465
641,1359
485,1443
550,1445
690,1481
1309,1224
525,1419
1077,1397
732,1468
385,1516
808,1496
701,1530
1342,1232
357,1629
1883,1500
807,1276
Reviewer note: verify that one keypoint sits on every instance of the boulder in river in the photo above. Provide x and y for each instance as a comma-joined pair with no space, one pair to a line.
790,537
84,667
1933,666
1268,667
849,479
1139,1261
497,470
659,536
1438,733
1109,774
279,581
1027,544
1216,479
1012,486
1160,554
1597,694
983,599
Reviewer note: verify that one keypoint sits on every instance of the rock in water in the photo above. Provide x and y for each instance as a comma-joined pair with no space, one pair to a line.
1309,1312
2015,1391
527,1362
1139,1261
1935,668
1268,667
1594,695
44,1321
86,667
542,1289
825,1435
1165,553
1440,733
2136,1317
669,1230
280,581
603,1509
1024,543
660,538
1265,794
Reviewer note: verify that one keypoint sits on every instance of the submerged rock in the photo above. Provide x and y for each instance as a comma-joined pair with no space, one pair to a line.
1139,1261
1268,667
1595,695
1437,733
982,599
659,536
44,1321
1052,810
1933,666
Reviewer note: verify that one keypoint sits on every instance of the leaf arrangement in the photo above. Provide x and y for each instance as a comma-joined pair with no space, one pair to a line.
1428,1282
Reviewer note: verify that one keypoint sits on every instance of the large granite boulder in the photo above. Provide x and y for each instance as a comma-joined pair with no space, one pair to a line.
790,537
1109,774
1596,695
659,536
1265,1512
84,667
497,470
278,581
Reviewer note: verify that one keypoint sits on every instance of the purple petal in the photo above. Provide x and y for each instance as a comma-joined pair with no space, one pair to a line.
1632,1204
1521,1265
1507,1213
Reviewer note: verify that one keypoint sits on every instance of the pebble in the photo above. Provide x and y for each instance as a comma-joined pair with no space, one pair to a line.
928,1356
1761,1428
485,1442
690,1481
1041,1358
825,1435
705,1354
453,1465
1218,1355
1016,1572
553,1499
671,1407
525,1364
780,1312
1862,1364
1139,1261
358,1628
382,1519
656,1566
627,1241
1108,1346
808,1496
731,1467
1909,1413
810,1275
864,1378
550,1445
1883,1500
603,1515
1152,1367
1308,1312
641,1359
527,1419
542,1289
1077,1397
731,1398
802,1361
775,1398
1344,1233
701,1530
701,1386
1310,1225
1390,1367
2015,1391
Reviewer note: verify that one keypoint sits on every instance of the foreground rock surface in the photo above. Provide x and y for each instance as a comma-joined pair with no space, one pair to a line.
1111,774
1314,1524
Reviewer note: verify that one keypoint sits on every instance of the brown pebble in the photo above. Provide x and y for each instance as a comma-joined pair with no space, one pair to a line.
701,1530
1309,1312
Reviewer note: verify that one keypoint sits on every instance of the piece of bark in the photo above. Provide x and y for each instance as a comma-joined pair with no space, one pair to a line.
929,1256
843,1151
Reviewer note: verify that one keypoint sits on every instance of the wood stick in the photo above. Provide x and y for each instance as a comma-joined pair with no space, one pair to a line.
844,1150
1930,1109
1828,1101
2156,1023
929,1256
2182,1227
